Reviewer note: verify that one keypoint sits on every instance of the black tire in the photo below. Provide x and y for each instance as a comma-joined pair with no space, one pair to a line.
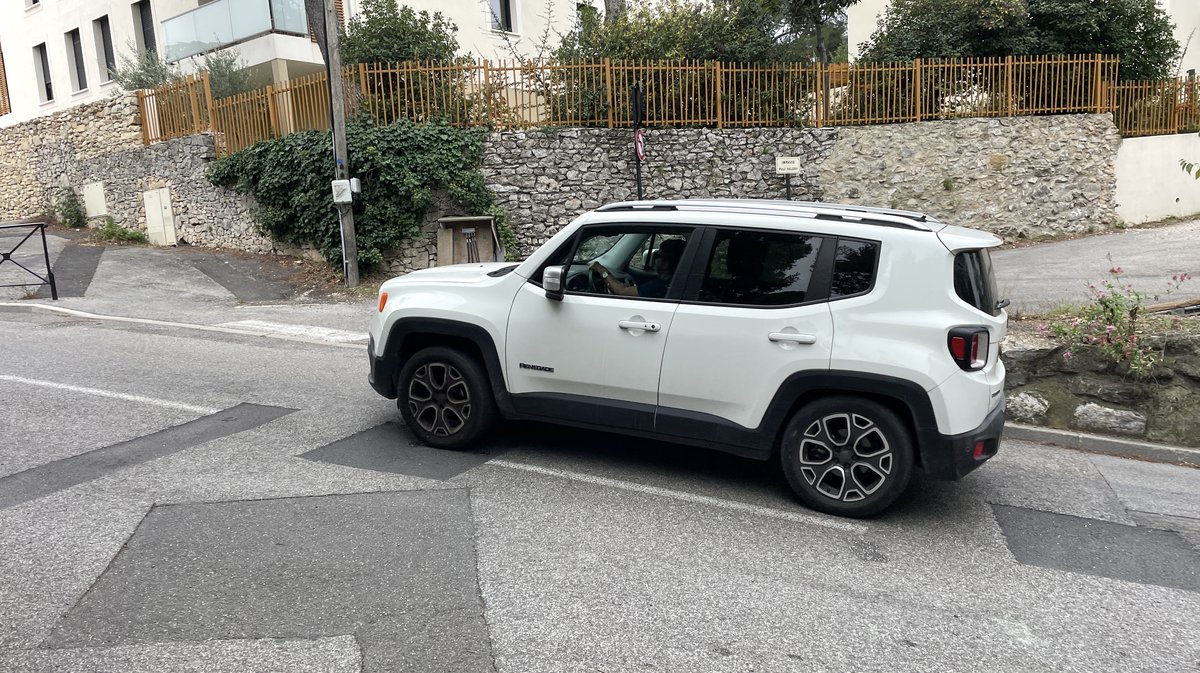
445,398
847,456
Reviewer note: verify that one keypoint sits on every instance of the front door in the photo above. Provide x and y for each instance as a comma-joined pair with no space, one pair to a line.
594,357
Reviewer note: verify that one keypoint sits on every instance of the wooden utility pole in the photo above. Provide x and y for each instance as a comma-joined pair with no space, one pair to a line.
337,102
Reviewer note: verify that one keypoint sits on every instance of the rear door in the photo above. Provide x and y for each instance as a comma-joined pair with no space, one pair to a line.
757,314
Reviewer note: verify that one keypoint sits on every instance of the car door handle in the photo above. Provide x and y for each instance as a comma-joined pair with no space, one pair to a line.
792,337
635,324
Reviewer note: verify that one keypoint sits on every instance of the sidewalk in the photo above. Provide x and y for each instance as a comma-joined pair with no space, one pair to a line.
184,285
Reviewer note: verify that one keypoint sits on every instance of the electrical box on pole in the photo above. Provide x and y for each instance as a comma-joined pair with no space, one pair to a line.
323,19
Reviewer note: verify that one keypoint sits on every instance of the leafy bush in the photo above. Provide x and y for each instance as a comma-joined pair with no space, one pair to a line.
69,209
111,232
143,70
401,166
1109,323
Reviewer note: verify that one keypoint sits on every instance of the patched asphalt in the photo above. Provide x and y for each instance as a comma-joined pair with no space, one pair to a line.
395,570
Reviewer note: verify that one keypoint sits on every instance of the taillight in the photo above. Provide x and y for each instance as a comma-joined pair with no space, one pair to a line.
969,347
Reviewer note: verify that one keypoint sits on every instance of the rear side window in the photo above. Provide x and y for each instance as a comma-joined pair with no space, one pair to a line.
974,282
760,268
854,268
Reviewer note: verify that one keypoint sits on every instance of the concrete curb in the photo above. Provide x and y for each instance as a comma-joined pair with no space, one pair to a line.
1100,444
33,307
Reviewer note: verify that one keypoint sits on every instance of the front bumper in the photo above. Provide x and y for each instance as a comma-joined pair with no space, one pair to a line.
951,457
382,376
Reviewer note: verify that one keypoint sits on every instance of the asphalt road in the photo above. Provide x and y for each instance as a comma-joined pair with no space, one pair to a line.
1040,278
182,500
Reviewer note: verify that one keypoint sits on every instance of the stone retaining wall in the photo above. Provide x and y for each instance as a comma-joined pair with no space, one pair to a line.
1023,176
1092,394
1018,177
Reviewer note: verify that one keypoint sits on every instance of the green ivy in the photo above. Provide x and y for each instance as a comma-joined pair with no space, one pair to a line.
401,166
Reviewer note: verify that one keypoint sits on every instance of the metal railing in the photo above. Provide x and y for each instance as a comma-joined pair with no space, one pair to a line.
34,228
517,95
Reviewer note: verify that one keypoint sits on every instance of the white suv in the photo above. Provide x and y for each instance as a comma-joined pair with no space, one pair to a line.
854,344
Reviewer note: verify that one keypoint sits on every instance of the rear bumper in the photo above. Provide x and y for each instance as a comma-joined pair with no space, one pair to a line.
382,376
951,457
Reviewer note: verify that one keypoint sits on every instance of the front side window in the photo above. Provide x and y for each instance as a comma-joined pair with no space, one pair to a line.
758,268
629,261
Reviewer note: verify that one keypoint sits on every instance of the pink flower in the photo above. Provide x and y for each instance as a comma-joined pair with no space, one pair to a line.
1110,328
1067,355
1116,271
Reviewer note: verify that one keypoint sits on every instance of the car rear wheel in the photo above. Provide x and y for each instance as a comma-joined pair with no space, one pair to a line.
847,456
445,398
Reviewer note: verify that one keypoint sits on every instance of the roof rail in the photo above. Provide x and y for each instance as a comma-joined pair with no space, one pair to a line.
824,211
637,205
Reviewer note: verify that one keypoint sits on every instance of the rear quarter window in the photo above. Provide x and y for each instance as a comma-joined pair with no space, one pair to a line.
974,281
854,268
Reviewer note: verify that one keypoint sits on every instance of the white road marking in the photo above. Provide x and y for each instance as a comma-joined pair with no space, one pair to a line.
33,306
108,393
302,331
798,517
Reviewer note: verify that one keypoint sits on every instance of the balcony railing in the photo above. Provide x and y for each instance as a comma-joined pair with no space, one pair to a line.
226,22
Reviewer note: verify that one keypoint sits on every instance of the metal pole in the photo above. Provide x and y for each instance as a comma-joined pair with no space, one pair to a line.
787,185
49,271
337,102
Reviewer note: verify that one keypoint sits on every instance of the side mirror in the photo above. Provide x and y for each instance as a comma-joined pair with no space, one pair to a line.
552,282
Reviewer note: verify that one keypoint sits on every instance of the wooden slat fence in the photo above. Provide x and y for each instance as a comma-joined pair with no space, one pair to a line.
1164,107
514,95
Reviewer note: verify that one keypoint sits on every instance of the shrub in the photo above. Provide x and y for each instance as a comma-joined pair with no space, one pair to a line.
401,166
111,232
1109,323
69,209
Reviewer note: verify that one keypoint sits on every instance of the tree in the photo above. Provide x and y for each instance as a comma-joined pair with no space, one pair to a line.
143,70
817,25
1138,31
383,32
727,30
227,73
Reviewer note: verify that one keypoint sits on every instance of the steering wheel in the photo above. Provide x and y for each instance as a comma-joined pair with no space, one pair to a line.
596,282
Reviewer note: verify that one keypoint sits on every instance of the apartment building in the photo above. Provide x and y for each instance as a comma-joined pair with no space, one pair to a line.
55,54
863,20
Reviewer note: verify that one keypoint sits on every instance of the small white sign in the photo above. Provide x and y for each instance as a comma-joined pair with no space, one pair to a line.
787,165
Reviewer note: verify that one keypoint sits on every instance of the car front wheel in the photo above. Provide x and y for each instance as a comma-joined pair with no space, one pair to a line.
847,456
444,398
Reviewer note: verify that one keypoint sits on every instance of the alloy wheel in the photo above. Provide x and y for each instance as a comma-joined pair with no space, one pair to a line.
845,457
439,399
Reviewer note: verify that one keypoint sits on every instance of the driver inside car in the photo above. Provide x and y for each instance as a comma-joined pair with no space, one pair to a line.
656,286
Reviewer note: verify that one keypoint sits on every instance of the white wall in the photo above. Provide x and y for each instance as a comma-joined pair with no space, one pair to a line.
1150,184
862,19
21,29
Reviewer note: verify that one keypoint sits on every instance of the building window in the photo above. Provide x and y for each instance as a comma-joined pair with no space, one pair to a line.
75,63
143,26
502,15
5,105
41,63
30,4
105,56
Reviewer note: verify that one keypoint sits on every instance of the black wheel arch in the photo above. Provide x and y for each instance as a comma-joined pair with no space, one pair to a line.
410,335
906,399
